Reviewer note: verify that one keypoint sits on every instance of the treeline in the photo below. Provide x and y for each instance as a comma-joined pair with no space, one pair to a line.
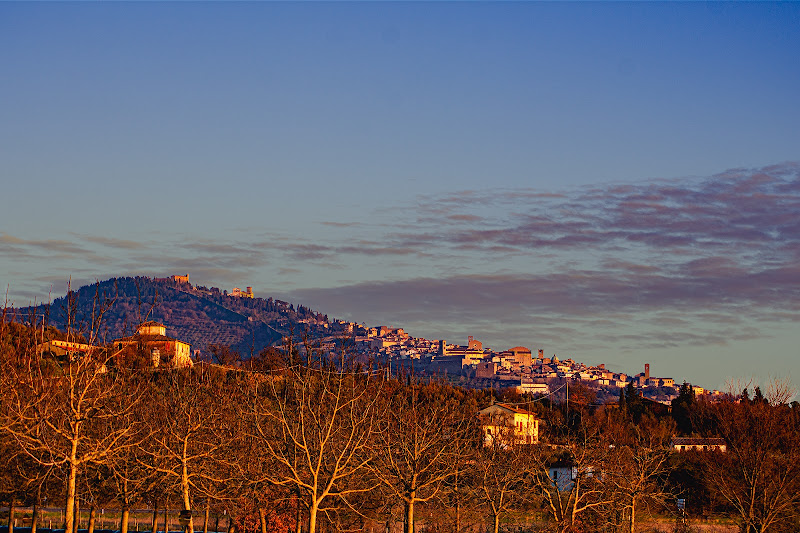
295,443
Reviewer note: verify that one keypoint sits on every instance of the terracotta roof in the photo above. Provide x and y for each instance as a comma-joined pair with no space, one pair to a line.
148,338
512,408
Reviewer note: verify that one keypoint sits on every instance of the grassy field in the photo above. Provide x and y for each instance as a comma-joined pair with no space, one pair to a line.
139,520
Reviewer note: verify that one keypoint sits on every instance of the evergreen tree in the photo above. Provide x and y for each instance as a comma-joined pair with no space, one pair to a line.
682,408
758,397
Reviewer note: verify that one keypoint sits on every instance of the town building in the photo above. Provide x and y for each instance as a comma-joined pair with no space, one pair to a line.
152,337
61,349
682,444
472,353
533,388
508,425
239,293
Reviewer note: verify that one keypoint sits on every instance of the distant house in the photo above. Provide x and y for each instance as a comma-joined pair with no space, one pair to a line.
239,293
63,348
533,388
509,425
152,336
681,444
563,474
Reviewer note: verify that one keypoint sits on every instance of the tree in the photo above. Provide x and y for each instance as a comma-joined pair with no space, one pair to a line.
57,410
568,474
682,409
126,474
316,425
500,475
759,473
423,436
193,433
635,467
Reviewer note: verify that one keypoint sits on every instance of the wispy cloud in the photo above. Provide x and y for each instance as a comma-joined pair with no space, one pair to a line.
41,245
341,224
733,211
114,243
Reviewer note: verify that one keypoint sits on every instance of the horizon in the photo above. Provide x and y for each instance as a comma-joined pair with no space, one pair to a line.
615,182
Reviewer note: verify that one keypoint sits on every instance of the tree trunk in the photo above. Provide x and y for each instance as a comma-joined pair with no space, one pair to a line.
166,520
458,513
154,523
262,515
206,516
69,511
35,517
409,516
123,521
187,503
298,525
11,508
633,515
312,518
77,514
92,518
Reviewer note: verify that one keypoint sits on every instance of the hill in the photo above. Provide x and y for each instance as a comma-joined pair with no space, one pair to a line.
197,315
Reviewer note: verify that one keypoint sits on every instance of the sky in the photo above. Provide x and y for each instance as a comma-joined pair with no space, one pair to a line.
614,182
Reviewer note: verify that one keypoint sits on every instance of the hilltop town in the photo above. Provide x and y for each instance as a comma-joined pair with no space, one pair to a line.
472,364
483,367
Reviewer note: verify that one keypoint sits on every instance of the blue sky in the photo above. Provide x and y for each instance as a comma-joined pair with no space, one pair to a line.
616,182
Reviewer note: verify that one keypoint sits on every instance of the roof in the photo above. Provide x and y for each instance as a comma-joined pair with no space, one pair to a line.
148,338
507,407
152,323
697,441
519,349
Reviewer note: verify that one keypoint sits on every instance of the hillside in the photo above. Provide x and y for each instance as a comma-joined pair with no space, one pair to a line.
197,315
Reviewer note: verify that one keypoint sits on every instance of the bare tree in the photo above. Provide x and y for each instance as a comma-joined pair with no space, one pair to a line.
567,475
422,440
126,475
636,466
316,425
192,434
22,479
56,410
501,475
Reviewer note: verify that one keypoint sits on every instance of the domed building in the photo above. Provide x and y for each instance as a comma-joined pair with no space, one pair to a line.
165,351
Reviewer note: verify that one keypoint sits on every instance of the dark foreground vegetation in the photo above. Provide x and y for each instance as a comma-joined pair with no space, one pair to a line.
296,443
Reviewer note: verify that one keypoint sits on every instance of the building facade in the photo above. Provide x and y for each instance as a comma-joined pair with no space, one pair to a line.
508,425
